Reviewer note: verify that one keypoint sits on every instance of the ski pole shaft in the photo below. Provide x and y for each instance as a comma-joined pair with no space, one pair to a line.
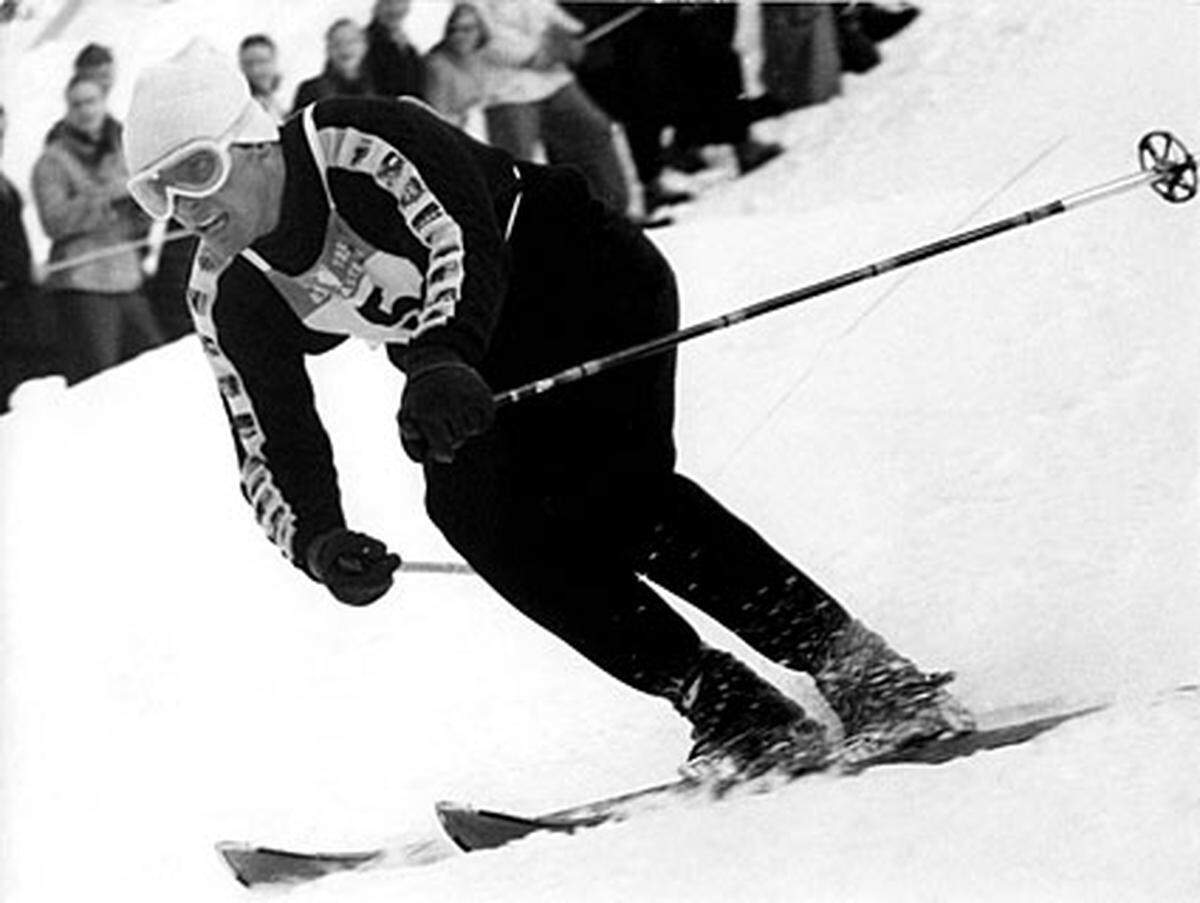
612,25
1168,168
110,251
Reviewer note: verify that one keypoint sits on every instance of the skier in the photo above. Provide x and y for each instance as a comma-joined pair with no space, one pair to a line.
376,219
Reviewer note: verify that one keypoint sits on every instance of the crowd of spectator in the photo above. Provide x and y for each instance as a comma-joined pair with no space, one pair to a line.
541,79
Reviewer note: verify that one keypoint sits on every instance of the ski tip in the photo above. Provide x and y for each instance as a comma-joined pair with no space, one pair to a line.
254,865
235,855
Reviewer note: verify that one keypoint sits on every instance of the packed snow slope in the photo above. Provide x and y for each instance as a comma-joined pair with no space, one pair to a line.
991,458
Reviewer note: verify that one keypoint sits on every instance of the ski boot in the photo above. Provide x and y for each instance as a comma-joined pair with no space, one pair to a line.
742,726
884,701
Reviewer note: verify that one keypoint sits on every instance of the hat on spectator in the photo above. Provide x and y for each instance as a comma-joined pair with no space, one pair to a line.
197,93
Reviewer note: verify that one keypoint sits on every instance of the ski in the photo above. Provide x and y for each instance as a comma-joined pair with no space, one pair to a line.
473,828
253,865
478,829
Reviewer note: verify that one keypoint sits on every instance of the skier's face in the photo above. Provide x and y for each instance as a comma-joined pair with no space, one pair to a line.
245,208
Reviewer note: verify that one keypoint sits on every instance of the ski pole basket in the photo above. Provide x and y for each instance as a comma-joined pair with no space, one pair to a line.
1162,152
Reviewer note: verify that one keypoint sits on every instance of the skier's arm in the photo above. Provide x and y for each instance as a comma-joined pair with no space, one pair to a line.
434,190
421,181
256,350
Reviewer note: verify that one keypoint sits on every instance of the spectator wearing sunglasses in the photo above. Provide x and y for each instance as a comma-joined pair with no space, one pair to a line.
84,206
344,74
378,220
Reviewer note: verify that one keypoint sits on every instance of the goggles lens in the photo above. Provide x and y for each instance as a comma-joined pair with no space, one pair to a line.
196,170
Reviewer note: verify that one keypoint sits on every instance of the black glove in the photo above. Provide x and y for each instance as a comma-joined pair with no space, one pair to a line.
445,402
355,567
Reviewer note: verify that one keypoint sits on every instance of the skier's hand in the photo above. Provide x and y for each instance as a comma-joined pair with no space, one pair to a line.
355,567
445,402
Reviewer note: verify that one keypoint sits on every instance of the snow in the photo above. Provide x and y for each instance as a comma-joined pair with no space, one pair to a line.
990,457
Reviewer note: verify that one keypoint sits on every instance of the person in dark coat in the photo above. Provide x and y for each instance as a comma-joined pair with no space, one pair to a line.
713,111
27,329
376,219
634,73
344,74
393,64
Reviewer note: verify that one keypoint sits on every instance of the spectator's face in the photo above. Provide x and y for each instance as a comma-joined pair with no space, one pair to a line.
246,206
86,107
105,74
392,12
464,32
258,65
346,48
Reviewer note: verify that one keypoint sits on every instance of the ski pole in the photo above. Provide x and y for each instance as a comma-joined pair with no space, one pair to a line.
1166,166
612,24
109,251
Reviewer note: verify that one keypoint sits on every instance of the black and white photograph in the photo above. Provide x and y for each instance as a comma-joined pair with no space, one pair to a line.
533,451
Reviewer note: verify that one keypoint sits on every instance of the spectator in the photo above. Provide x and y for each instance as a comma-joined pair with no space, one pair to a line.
393,63
801,62
713,112
26,329
165,286
344,74
257,57
97,62
453,70
633,73
84,206
532,96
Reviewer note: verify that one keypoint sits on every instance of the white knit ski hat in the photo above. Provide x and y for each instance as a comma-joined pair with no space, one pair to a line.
198,93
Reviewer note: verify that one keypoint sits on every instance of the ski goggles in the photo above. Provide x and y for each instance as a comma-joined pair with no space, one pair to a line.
198,169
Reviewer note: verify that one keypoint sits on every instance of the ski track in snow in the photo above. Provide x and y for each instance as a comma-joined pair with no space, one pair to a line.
991,457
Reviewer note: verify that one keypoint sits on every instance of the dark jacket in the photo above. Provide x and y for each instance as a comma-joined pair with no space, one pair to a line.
394,71
635,71
16,263
331,83
28,335
429,203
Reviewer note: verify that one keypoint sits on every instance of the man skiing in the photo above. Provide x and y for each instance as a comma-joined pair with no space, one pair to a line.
376,219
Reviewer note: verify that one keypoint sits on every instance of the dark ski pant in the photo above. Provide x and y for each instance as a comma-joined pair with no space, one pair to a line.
571,498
